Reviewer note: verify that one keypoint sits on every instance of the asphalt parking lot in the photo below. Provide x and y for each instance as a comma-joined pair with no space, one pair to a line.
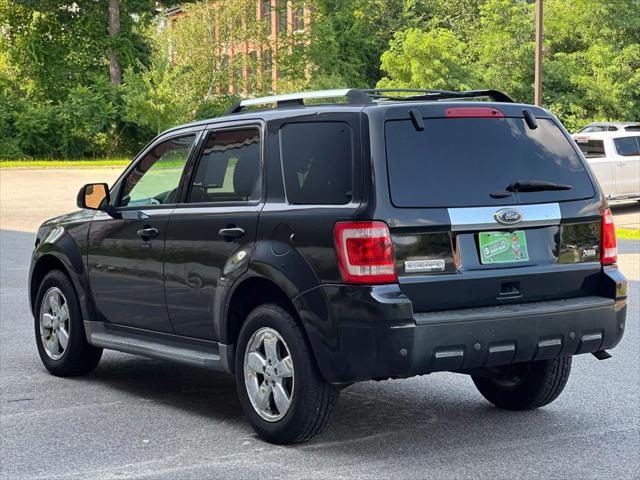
140,418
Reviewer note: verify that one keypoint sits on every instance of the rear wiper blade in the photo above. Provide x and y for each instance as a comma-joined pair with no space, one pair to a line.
535,186
530,186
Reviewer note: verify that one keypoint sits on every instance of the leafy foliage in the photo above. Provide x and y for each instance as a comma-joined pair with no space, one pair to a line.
591,69
156,97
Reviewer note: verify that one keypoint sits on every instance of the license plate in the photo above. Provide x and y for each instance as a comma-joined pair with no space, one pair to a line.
503,247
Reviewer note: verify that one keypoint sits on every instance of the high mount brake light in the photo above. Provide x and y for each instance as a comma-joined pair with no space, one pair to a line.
609,249
470,112
365,252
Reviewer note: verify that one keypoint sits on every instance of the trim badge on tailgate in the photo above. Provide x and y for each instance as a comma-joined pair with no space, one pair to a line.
508,216
414,266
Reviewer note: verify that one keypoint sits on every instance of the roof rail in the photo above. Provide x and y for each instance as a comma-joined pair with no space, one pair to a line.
362,96
353,95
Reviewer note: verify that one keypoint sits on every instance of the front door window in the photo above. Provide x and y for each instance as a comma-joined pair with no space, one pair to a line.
155,179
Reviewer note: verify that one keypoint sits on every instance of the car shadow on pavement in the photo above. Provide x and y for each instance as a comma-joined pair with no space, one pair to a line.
626,215
371,418
626,207
205,393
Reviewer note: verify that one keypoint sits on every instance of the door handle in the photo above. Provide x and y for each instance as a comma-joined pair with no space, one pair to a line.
148,232
231,232
621,164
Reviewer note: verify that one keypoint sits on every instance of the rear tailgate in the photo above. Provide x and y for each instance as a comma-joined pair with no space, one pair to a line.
462,241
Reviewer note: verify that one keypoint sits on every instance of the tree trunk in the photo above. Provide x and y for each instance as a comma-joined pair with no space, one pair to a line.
115,72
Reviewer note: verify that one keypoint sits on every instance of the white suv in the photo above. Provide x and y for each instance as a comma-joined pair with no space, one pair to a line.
615,159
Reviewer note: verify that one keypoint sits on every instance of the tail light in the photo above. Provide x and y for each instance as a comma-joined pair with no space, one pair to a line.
609,250
365,252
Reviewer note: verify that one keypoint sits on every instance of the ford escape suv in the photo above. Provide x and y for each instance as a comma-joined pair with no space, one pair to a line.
309,246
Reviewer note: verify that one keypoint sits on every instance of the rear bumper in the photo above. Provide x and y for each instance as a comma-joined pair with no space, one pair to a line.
375,334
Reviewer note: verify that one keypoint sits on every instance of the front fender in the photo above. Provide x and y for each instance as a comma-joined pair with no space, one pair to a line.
59,248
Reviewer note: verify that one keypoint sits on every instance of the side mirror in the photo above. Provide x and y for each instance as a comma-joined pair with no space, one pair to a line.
94,196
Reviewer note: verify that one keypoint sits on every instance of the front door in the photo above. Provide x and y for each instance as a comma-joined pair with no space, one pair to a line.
126,247
211,235
627,165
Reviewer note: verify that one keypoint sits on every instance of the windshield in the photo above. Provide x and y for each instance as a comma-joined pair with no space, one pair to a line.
459,162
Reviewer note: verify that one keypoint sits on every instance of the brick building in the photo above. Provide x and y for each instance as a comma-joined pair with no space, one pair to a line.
281,21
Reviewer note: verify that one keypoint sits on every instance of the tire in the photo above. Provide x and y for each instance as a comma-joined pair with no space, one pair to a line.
312,398
535,384
77,357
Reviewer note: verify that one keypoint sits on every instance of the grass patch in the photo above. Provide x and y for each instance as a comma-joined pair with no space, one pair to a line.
51,163
627,234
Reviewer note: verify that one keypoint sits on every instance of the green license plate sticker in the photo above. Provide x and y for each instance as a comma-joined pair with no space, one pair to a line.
503,247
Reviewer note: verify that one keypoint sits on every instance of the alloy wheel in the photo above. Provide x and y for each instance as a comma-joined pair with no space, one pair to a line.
268,374
54,323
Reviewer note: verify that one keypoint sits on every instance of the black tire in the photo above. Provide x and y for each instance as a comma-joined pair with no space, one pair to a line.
535,384
79,357
313,399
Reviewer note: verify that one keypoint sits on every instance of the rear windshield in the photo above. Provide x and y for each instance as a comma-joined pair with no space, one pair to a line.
591,148
459,162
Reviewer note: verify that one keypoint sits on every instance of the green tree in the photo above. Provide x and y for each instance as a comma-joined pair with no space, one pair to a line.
347,37
157,97
436,58
590,54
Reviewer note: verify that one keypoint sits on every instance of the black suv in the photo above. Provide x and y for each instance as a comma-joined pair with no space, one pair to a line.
309,246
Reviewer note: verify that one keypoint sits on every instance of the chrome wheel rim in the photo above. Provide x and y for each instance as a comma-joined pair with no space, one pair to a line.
268,374
54,323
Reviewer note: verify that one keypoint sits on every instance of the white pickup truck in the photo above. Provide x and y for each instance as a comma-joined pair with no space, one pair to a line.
614,156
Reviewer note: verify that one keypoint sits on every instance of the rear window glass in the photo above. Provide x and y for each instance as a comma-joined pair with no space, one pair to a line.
591,148
229,168
627,146
458,162
317,159
599,128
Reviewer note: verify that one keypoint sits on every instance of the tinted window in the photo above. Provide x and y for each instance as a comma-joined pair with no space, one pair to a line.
627,146
155,179
317,160
229,168
457,162
591,148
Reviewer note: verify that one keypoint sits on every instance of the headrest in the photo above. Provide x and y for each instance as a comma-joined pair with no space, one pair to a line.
246,173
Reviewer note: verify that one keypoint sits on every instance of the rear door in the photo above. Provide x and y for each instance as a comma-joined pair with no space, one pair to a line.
462,238
626,164
211,234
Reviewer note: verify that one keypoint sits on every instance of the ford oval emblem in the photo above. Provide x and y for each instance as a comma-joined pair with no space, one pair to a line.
508,216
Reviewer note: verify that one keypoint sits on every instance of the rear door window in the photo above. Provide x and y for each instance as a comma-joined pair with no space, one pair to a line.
317,160
229,168
459,162
627,146
591,148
